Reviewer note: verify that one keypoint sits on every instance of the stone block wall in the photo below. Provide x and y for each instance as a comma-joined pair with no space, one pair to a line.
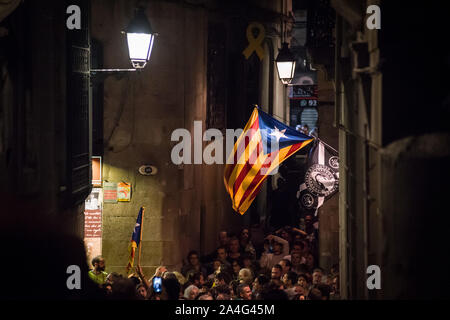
140,113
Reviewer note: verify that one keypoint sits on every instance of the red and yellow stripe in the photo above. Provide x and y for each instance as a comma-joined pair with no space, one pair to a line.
132,249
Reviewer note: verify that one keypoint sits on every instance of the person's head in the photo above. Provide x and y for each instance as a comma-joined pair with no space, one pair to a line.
317,276
245,276
223,296
260,282
172,288
223,238
289,279
193,258
335,284
223,278
285,234
135,280
334,269
234,245
275,284
205,296
246,261
221,292
123,289
98,263
191,292
302,280
309,260
216,265
298,289
285,266
206,287
277,248
305,129
296,259
297,247
222,253
274,291
308,220
226,267
244,236
276,272
197,279
236,266
141,291
244,292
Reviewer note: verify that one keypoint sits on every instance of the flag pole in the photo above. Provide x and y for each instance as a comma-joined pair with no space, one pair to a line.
328,145
140,236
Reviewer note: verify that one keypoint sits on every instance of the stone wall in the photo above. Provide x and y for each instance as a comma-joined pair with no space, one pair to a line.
140,113
186,205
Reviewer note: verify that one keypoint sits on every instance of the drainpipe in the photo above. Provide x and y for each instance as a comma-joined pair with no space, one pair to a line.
343,208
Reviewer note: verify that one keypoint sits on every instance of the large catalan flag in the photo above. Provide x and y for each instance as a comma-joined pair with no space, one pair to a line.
135,239
263,145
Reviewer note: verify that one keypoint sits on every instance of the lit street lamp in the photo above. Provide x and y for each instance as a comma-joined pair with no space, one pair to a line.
285,64
140,39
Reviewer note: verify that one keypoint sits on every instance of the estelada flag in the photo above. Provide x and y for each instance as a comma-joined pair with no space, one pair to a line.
263,145
321,180
135,240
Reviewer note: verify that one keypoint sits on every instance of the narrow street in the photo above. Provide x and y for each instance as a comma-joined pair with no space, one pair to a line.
224,150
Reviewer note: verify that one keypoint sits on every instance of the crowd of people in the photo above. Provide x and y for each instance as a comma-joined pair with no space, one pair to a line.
280,265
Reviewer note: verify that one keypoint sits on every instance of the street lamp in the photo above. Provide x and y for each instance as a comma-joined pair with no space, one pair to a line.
285,64
140,38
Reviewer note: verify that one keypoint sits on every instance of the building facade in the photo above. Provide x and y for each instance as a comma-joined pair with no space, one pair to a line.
392,151
197,72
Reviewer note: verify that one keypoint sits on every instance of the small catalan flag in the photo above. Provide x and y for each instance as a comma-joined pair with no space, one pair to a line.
135,240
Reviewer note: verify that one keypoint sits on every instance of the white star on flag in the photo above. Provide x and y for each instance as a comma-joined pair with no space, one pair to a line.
278,134
137,225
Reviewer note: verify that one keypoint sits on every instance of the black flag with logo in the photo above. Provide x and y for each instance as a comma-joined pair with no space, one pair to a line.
321,178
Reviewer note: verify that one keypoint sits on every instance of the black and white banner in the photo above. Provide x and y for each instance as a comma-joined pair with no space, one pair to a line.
321,178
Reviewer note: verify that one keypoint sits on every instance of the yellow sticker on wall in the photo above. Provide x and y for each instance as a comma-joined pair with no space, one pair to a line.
123,191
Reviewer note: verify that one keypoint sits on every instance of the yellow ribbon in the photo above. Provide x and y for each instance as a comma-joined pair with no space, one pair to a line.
254,44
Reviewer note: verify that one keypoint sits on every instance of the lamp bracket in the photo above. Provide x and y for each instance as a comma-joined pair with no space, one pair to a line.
112,70
99,75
